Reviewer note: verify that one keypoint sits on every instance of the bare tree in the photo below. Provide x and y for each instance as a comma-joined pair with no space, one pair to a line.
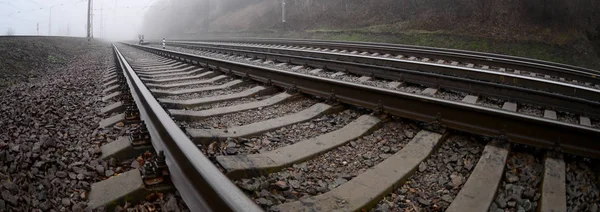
10,31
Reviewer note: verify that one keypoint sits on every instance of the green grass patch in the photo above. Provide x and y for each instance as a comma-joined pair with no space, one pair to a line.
555,53
55,59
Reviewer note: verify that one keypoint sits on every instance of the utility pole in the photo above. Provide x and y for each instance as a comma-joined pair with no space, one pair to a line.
102,22
102,19
283,14
207,21
38,29
114,21
89,21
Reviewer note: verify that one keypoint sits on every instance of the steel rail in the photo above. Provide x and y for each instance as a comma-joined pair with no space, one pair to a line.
478,74
571,98
202,186
496,60
474,119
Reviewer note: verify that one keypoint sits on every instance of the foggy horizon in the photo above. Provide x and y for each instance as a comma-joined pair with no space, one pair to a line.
112,19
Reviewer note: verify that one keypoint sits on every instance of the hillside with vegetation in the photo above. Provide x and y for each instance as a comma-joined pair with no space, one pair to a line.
556,30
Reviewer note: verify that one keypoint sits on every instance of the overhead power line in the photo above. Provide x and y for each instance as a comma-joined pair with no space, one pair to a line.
20,10
9,4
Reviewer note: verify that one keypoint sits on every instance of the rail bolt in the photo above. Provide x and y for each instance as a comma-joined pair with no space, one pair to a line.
155,171
132,115
140,137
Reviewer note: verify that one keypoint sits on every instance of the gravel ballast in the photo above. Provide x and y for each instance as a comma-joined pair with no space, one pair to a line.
520,188
231,103
283,136
203,94
217,83
330,170
46,142
252,116
437,181
298,132
28,59
583,182
49,136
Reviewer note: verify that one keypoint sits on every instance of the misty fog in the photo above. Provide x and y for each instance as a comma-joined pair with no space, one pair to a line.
124,20
112,19
190,18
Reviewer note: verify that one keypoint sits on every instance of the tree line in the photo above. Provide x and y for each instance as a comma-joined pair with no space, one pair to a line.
580,15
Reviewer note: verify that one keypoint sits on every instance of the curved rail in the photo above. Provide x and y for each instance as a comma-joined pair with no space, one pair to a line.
552,94
202,186
490,59
456,115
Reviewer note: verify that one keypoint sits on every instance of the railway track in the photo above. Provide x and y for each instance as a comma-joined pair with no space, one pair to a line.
529,101
293,136
550,91
461,57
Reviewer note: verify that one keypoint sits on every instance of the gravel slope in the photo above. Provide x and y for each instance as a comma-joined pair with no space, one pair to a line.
46,123
28,59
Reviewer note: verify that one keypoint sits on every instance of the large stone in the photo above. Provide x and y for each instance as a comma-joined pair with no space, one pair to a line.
456,180
281,185
100,169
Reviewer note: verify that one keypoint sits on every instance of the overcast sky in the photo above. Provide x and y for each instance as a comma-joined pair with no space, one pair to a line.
121,19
